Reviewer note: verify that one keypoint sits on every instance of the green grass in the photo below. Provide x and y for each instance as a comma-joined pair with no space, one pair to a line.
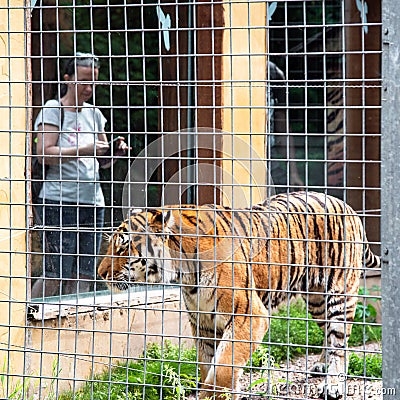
293,331
366,315
167,372
20,389
369,366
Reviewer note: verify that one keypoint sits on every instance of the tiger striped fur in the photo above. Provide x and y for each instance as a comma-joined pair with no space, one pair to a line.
234,266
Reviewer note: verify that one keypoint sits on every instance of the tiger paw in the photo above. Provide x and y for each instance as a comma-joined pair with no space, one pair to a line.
330,391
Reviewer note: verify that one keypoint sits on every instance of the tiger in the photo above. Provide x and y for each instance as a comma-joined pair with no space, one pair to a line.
236,265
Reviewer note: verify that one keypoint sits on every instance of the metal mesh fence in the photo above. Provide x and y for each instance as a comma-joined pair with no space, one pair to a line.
202,207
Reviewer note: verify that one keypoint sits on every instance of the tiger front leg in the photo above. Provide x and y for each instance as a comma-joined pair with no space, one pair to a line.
206,350
207,337
240,339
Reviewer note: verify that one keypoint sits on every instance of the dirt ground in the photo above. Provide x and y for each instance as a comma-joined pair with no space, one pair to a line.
292,381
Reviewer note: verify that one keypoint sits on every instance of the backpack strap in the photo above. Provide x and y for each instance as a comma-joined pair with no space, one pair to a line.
62,114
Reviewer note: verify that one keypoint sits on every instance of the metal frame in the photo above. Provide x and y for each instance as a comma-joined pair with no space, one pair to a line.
198,80
390,210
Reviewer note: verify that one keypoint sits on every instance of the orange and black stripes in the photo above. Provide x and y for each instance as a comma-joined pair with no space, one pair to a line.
235,265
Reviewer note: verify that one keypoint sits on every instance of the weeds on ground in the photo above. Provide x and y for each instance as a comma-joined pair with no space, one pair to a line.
20,389
293,332
369,366
365,330
164,371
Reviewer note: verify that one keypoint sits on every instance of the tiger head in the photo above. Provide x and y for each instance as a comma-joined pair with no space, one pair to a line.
137,251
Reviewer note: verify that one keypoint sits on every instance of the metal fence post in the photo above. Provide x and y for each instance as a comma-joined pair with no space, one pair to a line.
390,199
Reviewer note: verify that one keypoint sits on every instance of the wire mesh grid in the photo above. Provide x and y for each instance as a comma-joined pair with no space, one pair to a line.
264,117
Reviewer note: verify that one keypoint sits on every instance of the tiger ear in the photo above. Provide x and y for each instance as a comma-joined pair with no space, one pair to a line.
162,220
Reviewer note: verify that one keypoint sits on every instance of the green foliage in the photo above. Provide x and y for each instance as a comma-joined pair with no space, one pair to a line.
365,313
293,331
167,372
369,365
361,334
364,330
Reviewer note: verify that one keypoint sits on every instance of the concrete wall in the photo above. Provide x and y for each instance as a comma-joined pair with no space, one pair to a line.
71,342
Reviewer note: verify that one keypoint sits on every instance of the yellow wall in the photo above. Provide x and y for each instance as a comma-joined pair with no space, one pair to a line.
12,187
244,64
